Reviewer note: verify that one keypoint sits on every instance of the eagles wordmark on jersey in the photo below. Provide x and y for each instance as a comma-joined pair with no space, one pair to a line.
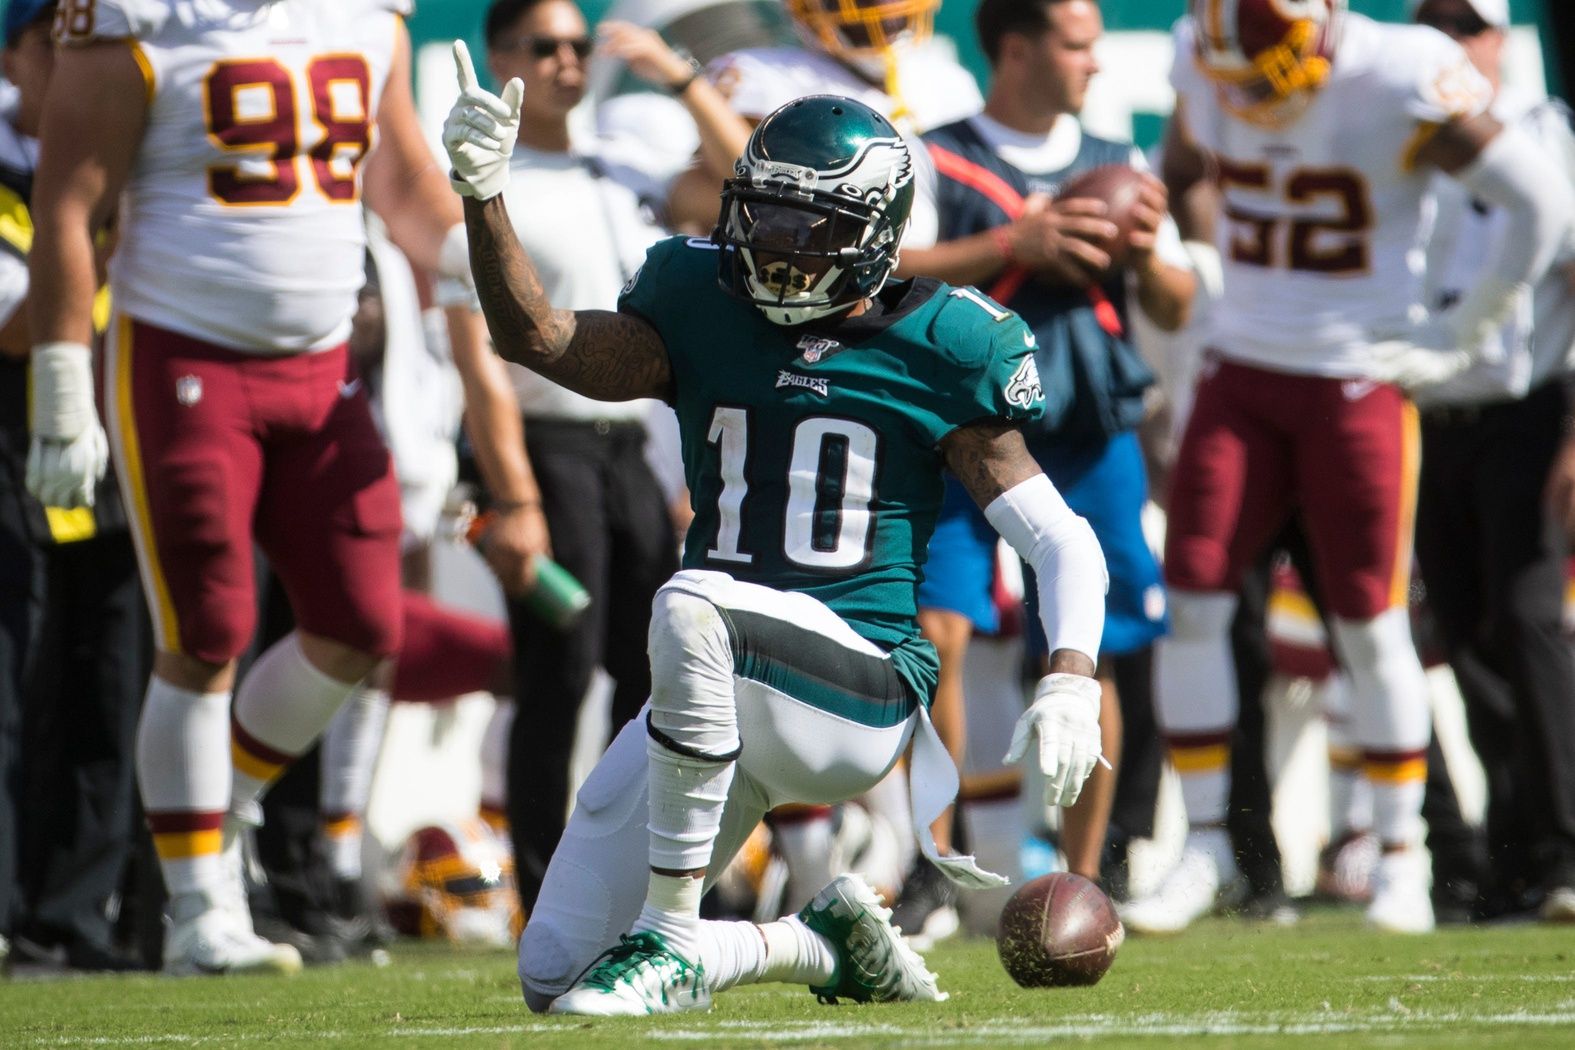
812,456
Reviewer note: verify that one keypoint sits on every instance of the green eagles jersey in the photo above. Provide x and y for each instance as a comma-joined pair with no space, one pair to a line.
813,460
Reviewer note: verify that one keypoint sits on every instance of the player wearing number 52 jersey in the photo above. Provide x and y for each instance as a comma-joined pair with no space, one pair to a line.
235,137
1320,130
818,405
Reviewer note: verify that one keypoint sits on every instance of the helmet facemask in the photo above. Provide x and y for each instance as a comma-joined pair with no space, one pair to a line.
864,29
1267,83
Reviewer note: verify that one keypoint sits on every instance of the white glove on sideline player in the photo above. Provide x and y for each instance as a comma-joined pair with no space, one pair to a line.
1421,355
480,131
1064,718
69,451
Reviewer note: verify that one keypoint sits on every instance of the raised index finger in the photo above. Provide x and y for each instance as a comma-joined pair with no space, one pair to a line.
464,67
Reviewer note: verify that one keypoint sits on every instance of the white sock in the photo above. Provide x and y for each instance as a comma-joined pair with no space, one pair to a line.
183,773
1397,808
281,707
686,800
1195,698
349,751
349,758
795,954
1392,719
732,953
672,909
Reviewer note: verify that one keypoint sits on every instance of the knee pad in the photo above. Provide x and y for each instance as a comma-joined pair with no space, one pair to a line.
692,709
546,967
1200,615
1389,707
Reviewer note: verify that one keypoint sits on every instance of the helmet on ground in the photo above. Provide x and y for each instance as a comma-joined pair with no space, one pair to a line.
456,880
811,221
854,29
1267,56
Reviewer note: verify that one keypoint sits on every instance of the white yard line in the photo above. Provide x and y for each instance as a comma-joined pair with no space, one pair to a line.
1087,1026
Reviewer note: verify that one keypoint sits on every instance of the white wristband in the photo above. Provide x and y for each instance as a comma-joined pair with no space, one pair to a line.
62,379
454,255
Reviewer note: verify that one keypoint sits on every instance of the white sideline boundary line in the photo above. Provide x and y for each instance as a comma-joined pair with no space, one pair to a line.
1087,1026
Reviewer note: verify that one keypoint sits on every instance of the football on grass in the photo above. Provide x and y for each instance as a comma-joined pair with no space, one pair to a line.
1059,929
1118,186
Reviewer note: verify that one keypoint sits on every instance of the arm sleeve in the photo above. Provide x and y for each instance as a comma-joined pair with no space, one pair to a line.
1066,558
1515,174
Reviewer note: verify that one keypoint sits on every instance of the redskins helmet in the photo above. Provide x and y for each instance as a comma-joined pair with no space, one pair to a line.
1267,56
811,220
860,29
456,880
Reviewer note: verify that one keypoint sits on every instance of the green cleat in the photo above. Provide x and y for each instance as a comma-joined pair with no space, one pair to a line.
639,975
874,963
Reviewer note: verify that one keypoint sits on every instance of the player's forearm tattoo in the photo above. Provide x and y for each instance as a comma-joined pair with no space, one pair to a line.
988,458
603,355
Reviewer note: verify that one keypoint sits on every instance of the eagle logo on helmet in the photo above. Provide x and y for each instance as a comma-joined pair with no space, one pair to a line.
1267,56
810,223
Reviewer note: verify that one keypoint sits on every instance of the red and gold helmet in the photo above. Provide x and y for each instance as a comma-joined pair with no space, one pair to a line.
1267,56
855,29
456,880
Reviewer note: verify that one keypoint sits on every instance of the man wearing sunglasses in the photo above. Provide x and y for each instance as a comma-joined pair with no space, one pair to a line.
1492,555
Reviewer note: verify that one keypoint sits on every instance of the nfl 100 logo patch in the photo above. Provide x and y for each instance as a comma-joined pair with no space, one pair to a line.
817,347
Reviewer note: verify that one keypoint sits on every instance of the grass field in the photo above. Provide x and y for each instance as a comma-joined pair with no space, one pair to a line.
1227,983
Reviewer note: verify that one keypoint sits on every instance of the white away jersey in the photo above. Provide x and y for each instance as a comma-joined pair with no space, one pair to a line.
241,220
1322,231
934,87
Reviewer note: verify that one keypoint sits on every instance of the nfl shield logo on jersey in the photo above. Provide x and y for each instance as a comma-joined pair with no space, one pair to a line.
816,347
188,390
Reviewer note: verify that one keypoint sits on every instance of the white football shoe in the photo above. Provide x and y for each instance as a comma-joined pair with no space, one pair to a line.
1402,900
639,975
1195,887
874,961
207,937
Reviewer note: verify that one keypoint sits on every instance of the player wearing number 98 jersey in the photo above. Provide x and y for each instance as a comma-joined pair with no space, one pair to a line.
246,179
1320,130
235,136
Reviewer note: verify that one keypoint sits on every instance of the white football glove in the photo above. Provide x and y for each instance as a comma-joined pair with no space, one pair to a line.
480,131
69,451
1422,354
1064,718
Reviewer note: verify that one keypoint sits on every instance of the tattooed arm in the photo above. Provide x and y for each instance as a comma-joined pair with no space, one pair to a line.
601,354
994,465
988,458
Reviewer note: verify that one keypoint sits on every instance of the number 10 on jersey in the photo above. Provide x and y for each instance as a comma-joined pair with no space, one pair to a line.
829,516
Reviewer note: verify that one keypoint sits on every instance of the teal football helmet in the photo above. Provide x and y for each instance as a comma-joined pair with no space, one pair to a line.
811,221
